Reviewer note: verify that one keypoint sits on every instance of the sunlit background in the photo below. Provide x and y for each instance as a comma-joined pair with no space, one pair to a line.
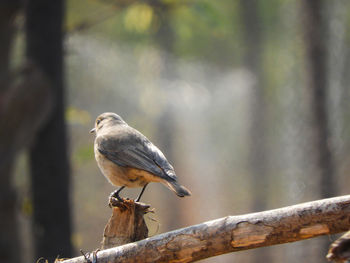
238,132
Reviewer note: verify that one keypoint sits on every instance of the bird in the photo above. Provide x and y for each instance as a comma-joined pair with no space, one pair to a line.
127,158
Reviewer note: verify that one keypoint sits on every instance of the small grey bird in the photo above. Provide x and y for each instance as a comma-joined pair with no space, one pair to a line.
128,159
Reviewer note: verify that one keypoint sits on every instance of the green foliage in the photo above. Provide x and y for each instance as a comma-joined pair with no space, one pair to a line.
138,18
83,154
77,116
199,27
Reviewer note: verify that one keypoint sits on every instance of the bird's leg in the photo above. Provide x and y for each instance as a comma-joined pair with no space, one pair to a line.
115,194
139,197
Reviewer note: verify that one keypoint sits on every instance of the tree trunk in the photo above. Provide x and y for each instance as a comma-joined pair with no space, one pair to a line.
165,37
316,54
9,240
258,151
166,133
48,155
235,233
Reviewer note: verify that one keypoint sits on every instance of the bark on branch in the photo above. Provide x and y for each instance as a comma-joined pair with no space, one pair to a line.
235,233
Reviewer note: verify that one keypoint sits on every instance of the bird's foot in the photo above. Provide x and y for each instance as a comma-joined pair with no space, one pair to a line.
114,198
115,194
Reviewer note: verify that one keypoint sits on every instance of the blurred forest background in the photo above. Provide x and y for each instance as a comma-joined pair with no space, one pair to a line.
249,100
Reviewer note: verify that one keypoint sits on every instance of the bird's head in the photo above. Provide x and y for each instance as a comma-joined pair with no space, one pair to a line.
106,119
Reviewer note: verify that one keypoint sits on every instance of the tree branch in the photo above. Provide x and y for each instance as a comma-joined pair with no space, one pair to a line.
236,233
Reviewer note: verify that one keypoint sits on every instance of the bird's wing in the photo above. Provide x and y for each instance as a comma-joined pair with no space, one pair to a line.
135,150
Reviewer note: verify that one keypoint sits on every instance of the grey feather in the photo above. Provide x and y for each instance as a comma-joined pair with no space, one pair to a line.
129,148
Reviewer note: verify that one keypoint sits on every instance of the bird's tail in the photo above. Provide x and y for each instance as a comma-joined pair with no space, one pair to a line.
178,189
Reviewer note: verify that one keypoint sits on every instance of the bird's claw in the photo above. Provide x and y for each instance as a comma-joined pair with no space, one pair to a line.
115,194
114,198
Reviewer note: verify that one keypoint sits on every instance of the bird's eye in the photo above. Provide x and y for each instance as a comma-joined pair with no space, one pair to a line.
98,122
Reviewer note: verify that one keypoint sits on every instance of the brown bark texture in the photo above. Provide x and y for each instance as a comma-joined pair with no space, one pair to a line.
235,233
126,224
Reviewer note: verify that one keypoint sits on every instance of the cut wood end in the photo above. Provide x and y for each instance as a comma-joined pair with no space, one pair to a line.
126,223
128,204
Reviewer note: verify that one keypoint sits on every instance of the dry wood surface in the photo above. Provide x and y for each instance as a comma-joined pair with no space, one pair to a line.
235,233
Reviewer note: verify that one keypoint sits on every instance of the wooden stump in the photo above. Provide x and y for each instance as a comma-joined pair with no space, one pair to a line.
126,224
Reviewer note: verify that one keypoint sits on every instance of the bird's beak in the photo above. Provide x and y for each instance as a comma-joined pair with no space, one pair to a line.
93,130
